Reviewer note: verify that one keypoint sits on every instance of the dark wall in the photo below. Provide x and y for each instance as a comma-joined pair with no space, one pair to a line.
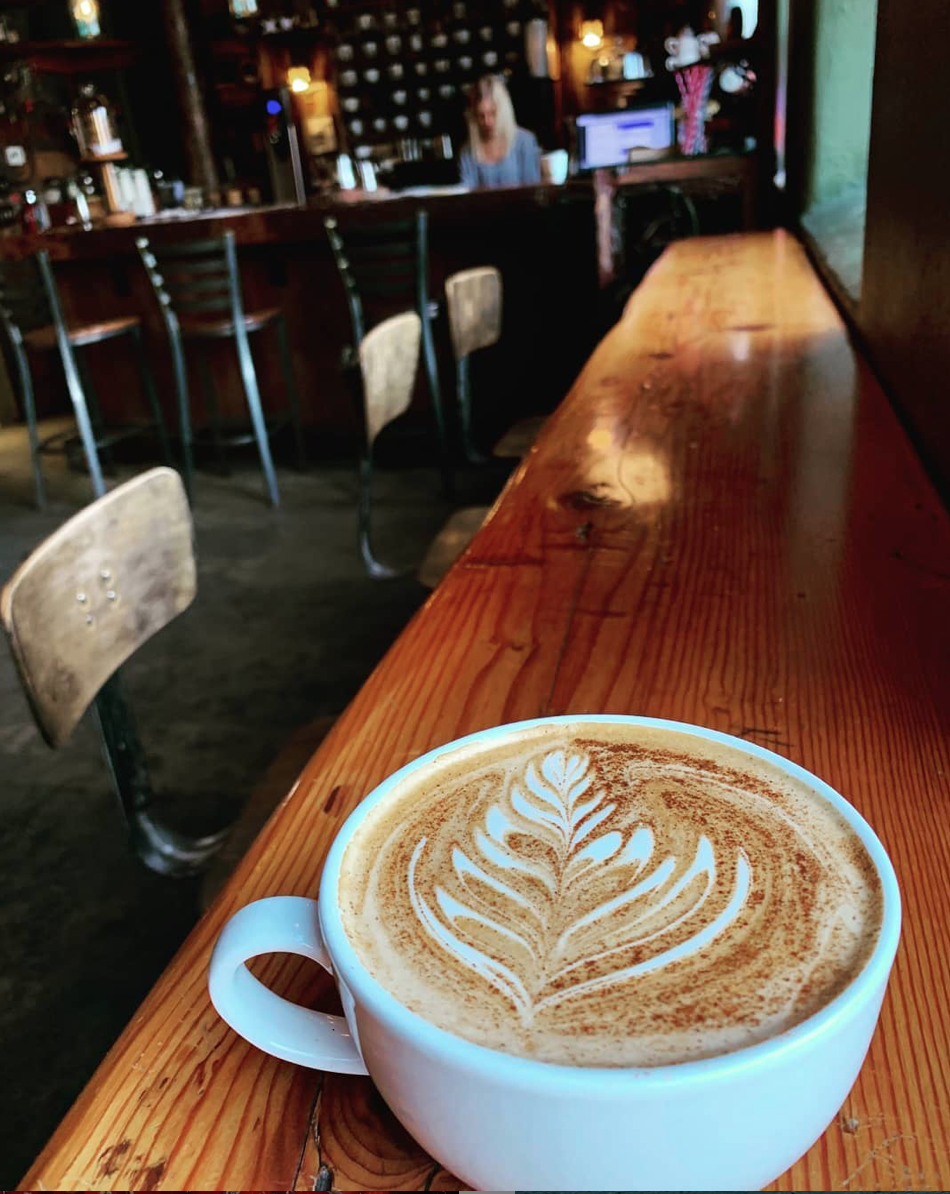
905,305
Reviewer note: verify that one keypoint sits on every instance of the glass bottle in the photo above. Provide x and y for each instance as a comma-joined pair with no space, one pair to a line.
94,125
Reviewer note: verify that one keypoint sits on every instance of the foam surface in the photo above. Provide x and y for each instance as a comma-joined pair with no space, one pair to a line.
601,895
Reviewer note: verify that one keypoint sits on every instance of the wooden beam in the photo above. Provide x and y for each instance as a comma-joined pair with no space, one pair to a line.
198,153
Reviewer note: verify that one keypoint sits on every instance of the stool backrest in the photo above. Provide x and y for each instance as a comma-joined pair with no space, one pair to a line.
389,358
473,300
24,301
93,592
381,265
194,277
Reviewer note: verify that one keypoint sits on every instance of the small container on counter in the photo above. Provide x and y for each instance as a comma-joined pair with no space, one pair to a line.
35,215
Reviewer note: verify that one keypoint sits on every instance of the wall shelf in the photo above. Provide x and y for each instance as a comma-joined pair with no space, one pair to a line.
71,57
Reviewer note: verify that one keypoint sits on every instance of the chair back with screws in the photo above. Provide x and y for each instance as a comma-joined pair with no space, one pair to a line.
93,592
83,602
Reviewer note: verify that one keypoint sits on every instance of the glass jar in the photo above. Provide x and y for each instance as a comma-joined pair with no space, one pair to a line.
94,125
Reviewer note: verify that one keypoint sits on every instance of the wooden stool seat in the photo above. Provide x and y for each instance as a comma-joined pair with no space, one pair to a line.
205,329
43,339
449,544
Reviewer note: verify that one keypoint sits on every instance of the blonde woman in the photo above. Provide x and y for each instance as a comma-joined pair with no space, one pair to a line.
498,153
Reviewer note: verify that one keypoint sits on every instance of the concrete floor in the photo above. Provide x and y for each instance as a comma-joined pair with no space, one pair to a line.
230,699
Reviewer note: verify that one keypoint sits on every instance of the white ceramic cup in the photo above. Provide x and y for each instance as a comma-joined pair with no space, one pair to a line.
554,166
496,1121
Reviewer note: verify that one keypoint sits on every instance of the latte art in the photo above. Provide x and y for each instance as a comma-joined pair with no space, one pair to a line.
577,896
547,924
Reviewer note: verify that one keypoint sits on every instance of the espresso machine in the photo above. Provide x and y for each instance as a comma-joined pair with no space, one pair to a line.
282,148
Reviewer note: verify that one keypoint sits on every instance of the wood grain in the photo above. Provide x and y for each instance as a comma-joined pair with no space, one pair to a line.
723,523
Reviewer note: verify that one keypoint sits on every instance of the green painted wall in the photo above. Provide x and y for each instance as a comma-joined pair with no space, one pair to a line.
841,98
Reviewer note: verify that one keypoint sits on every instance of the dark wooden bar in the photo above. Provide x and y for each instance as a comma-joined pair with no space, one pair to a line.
541,238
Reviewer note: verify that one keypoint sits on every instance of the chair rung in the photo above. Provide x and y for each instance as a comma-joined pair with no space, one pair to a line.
17,291
238,435
185,285
184,267
12,275
383,276
391,250
28,319
368,234
387,289
185,306
189,248
62,441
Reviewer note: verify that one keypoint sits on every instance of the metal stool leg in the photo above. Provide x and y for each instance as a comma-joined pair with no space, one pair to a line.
464,391
214,414
161,849
76,394
375,569
86,434
354,383
293,394
95,413
151,395
184,407
249,377
29,411
435,393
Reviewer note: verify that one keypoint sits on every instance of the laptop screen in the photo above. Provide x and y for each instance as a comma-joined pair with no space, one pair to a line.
605,139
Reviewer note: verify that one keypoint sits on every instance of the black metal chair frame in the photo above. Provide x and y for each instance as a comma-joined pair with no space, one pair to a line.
202,277
160,847
29,300
371,260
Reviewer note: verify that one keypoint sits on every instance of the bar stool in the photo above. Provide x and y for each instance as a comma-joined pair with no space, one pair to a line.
81,605
474,302
32,318
388,359
198,287
384,265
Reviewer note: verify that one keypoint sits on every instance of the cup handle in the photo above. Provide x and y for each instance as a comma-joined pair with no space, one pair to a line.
280,924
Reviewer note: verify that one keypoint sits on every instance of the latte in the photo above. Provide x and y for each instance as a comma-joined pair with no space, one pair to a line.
609,895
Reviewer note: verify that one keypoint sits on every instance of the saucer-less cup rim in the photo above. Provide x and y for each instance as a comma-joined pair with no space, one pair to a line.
591,1080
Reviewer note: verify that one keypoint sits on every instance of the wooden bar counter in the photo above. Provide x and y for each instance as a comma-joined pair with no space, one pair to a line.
541,237
724,524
